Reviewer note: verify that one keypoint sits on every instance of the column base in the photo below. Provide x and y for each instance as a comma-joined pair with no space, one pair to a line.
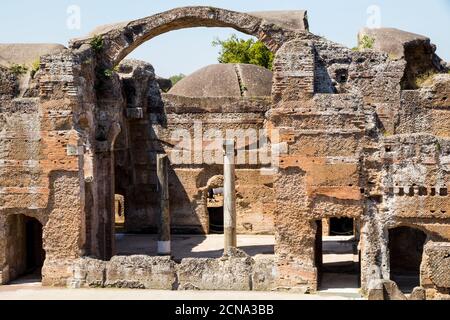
164,248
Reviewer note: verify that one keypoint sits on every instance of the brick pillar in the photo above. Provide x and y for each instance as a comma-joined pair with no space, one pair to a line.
294,72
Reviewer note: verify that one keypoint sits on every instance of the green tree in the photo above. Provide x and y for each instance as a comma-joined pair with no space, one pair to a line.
176,78
236,50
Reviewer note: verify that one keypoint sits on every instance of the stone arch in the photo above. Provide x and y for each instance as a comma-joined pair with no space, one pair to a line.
272,28
431,234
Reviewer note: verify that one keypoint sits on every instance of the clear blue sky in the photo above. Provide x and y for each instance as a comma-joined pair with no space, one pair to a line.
185,51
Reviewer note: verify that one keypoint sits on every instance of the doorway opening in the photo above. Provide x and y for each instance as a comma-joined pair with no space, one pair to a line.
119,210
26,253
405,253
215,211
337,258
34,247
216,220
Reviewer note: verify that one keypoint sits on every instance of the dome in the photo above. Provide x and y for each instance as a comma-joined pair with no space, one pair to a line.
226,80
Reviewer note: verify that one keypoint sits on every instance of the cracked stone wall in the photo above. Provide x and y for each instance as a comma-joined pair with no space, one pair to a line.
435,266
237,273
364,135
337,132
39,167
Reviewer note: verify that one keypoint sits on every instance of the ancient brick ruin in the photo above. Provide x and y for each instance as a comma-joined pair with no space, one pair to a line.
360,134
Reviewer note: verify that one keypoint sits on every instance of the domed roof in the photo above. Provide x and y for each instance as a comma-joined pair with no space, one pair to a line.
226,80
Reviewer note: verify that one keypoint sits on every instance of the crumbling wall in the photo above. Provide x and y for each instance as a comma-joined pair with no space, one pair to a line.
426,109
434,271
237,273
407,167
414,179
336,110
40,168
135,163
326,140
346,145
8,84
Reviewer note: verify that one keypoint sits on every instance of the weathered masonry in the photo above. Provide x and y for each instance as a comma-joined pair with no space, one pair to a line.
364,142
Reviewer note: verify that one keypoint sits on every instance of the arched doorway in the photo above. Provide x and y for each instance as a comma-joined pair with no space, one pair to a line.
25,250
405,253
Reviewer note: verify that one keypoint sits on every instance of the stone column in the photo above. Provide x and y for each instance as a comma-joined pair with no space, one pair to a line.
164,245
229,208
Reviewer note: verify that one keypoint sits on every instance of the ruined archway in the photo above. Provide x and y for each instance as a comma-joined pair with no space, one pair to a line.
272,28
330,145
109,45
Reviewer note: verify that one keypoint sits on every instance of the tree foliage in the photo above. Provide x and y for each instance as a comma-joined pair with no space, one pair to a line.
236,50
176,78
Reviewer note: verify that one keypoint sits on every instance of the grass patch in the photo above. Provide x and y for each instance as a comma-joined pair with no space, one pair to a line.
35,66
18,69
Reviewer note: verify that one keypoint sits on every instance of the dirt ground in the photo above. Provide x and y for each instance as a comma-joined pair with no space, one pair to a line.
34,291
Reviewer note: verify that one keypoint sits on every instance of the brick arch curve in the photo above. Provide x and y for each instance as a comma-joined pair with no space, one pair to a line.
272,28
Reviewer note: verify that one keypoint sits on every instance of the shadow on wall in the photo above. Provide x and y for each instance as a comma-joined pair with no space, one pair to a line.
323,82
